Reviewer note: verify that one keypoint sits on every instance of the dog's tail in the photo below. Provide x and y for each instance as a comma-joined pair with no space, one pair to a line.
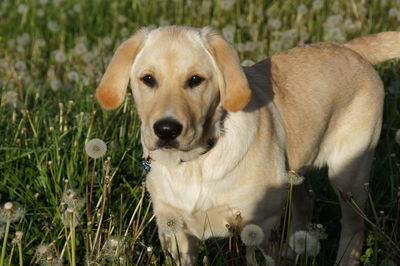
377,48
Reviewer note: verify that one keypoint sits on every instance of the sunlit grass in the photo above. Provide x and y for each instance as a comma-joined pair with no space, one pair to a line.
52,55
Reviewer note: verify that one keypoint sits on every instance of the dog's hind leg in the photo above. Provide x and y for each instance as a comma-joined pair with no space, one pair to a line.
349,167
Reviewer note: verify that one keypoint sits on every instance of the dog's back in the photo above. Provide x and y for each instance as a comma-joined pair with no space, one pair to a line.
330,99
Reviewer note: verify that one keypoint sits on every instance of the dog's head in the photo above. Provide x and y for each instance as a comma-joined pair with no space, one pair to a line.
180,77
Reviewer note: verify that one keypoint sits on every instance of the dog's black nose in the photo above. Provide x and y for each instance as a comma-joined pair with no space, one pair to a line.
167,129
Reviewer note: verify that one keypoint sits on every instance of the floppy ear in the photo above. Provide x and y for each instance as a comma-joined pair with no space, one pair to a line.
112,88
234,88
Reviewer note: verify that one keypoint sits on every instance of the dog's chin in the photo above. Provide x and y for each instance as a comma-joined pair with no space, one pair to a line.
175,152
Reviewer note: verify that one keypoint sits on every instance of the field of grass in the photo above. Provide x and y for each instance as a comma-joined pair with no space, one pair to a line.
70,208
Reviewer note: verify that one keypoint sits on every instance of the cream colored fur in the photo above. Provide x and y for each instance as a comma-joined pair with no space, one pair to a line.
308,107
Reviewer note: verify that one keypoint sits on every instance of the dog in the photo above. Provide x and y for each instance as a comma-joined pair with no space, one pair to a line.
220,139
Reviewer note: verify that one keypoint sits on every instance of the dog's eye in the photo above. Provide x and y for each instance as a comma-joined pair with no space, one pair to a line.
149,80
194,81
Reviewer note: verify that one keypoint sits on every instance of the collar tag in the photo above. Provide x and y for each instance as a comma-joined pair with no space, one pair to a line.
146,164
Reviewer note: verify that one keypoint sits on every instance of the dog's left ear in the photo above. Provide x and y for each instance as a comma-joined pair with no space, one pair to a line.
234,87
113,85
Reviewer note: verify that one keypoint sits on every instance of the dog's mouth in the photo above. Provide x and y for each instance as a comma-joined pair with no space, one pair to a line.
168,145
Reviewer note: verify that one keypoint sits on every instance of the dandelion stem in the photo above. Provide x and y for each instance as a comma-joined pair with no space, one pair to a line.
3,249
21,260
72,226
11,255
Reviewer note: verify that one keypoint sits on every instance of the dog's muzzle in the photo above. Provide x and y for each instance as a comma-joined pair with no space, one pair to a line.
167,130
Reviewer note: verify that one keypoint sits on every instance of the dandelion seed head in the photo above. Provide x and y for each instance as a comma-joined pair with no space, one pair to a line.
252,235
114,248
303,242
11,98
20,65
121,19
302,10
107,41
77,8
229,33
269,261
70,217
171,224
43,251
73,76
11,212
397,137
294,178
275,23
40,43
96,148
393,12
80,48
226,4
276,46
1,231
317,4
72,199
53,26
124,32
55,84
333,20
22,9
23,39
59,56
247,63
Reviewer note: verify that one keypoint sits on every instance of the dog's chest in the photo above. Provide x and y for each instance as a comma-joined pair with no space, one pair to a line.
206,207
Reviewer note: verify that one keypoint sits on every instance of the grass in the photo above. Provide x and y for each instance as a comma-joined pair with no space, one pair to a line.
52,55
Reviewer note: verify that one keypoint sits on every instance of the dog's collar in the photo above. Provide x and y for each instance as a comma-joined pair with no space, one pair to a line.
146,162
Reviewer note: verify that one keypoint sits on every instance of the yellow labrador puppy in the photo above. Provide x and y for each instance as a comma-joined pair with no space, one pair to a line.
220,138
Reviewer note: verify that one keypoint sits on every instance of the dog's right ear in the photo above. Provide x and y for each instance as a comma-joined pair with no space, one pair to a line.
112,89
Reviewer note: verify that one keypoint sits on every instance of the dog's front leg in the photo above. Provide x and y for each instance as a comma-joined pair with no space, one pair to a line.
182,247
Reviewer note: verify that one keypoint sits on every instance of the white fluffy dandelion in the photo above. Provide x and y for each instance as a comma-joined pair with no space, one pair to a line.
247,63
302,10
171,224
59,56
114,247
302,242
73,76
1,231
275,23
252,235
96,148
70,217
269,261
55,84
397,137
18,238
317,4
227,4
229,33
80,48
107,41
72,199
53,26
43,252
10,212
294,178
22,9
